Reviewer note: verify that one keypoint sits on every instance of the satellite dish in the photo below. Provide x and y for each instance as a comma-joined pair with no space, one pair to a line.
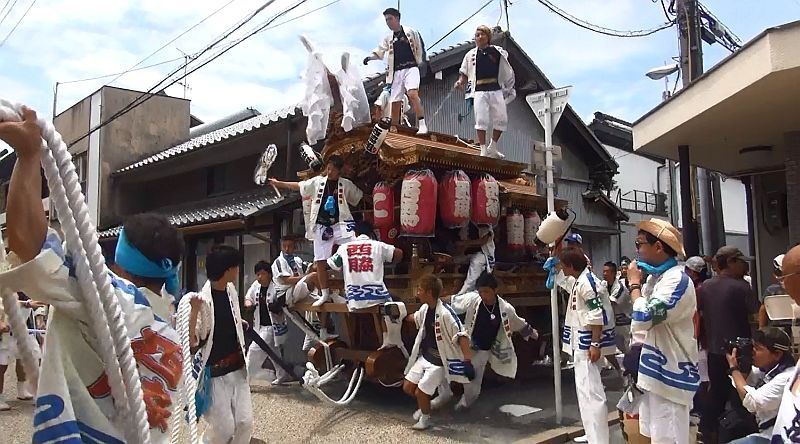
260,176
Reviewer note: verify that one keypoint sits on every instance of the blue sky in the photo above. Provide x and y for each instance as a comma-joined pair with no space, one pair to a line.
64,40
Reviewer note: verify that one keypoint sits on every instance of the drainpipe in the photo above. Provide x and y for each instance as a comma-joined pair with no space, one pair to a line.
751,232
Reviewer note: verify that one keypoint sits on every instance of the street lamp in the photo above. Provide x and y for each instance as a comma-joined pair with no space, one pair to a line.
663,72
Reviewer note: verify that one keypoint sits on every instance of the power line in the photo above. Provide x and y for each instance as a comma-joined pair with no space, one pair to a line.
459,25
171,41
144,97
8,11
120,73
18,22
5,5
601,29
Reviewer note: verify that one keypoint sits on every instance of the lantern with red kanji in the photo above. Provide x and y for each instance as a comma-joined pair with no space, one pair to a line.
418,203
485,200
454,199
515,231
532,222
383,205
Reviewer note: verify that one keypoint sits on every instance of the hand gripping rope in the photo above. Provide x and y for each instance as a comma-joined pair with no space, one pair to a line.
106,319
313,381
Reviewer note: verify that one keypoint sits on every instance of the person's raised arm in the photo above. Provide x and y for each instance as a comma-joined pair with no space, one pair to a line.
295,186
26,221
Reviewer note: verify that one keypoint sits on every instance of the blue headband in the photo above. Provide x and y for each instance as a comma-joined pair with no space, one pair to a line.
134,262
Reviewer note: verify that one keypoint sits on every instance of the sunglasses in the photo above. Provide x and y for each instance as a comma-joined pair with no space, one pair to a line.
784,276
640,243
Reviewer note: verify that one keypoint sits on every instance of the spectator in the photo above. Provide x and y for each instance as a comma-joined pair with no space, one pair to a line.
787,423
724,311
762,390
773,289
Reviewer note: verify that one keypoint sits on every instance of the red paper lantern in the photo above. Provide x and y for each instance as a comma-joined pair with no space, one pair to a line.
454,199
383,205
388,235
515,231
485,200
418,203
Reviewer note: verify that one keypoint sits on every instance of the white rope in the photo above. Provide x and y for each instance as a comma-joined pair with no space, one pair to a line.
108,324
312,380
188,387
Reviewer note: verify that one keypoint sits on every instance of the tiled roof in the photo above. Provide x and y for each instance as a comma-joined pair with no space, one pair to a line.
211,210
216,136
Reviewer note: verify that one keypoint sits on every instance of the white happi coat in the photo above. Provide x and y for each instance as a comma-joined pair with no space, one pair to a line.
74,401
205,321
502,357
387,46
312,191
252,295
622,305
663,315
448,329
588,305
361,262
281,268
505,76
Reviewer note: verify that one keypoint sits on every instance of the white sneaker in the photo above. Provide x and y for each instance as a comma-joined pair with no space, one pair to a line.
23,394
322,299
491,151
417,414
3,404
285,379
423,128
460,405
423,423
440,401
484,153
581,439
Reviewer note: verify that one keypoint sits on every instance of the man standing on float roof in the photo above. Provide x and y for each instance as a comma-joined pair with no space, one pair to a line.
488,79
405,53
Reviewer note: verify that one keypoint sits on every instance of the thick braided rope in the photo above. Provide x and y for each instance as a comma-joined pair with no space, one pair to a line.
129,398
189,384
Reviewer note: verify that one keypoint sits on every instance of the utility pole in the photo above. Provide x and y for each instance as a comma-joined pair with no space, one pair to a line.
705,185
548,106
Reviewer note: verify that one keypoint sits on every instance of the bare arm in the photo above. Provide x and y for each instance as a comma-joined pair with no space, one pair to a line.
290,280
397,256
466,348
295,186
194,341
27,225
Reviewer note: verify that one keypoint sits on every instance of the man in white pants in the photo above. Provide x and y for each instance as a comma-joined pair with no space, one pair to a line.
405,53
221,343
488,79
326,213
485,313
257,296
481,261
9,353
588,336
663,311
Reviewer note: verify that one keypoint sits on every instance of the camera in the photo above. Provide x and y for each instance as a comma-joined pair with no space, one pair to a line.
744,352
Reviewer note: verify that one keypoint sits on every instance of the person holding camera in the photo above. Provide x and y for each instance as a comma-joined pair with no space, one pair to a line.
761,387
724,310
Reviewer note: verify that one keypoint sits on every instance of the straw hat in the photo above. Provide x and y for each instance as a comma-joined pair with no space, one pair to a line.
665,232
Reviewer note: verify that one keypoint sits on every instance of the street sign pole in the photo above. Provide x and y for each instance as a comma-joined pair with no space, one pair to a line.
548,107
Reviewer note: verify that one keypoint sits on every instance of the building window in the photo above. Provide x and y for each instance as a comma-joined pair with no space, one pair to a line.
81,162
217,180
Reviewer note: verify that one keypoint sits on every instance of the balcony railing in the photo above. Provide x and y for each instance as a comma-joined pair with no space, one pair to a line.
643,201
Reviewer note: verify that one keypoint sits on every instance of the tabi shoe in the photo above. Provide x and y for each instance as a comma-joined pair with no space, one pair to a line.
439,401
285,379
417,414
423,423
491,151
3,404
423,128
581,439
461,405
322,299
23,394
